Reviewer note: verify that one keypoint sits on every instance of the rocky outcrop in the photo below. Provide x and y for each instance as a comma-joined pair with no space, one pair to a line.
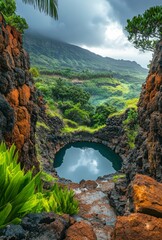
17,96
138,226
146,195
80,231
145,201
50,139
43,226
147,156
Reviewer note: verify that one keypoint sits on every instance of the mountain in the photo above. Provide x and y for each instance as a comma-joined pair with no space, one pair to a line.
53,54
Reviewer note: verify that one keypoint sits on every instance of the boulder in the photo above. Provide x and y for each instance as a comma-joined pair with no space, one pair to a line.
138,226
80,231
146,195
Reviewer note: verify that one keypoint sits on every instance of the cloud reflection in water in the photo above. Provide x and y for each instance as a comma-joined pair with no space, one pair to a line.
87,158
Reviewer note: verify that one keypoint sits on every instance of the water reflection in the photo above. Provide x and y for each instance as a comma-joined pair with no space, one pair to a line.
86,161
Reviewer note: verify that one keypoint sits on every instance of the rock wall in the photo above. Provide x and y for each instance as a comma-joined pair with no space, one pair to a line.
17,96
50,139
147,156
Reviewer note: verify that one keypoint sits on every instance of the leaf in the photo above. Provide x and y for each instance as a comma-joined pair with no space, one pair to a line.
4,213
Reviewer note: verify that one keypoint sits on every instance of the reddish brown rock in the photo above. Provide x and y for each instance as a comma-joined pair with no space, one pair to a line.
24,95
18,108
80,231
138,226
13,97
147,195
146,158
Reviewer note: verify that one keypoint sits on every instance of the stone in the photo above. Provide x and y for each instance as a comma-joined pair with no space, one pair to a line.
147,195
150,122
40,226
18,106
80,231
24,92
138,226
13,97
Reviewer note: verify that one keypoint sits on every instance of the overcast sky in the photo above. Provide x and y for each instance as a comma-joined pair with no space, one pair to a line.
97,25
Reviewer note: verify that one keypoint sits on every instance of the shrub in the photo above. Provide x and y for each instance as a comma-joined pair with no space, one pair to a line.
8,8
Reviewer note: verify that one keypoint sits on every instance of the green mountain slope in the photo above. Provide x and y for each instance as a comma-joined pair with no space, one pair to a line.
53,54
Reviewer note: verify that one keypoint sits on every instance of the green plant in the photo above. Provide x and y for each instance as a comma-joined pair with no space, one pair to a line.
34,71
60,200
49,6
117,177
8,9
130,125
17,195
145,30
22,193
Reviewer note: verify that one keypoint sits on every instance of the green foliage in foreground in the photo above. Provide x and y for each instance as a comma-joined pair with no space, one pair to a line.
8,9
131,126
22,193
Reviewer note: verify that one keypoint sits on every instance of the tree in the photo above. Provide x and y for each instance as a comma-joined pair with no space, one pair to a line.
146,30
101,114
8,9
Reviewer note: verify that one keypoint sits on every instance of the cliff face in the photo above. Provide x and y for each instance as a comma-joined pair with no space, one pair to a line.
147,156
17,96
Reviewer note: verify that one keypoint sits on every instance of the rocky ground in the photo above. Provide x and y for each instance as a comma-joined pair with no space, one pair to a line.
95,220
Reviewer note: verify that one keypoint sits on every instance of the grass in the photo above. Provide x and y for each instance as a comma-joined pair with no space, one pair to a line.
67,129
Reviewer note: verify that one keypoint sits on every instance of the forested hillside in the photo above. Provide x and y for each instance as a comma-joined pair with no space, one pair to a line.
52,54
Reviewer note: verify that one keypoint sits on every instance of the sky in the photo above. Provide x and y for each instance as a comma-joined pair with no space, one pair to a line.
96,25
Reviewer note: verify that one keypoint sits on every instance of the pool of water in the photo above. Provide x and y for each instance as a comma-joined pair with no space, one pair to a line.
85,160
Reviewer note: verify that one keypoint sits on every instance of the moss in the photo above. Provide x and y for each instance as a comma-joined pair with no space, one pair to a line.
43,125
67,129
118,177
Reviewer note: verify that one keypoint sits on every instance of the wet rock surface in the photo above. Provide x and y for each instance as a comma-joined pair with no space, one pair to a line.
95,206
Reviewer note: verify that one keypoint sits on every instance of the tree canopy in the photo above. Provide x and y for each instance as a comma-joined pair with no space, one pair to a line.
146,30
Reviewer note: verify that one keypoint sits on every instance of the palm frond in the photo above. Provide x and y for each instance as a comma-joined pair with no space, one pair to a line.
49,7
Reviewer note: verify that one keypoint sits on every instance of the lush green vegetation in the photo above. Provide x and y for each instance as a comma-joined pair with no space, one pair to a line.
131,126
88,101
85,88
22,193
146,30
8,9
73,103
51,55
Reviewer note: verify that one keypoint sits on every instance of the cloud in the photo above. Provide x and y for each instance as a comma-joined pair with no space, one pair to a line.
97,25
88,159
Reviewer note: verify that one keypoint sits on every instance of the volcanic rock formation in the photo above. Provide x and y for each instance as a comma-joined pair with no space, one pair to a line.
17,96
147,156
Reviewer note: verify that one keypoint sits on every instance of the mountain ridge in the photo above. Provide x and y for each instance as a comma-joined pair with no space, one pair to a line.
51,54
